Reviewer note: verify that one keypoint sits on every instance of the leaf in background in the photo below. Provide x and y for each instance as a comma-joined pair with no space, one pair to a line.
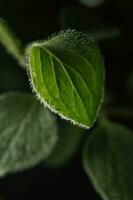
108,161
28,133
10,42
92,3
70,139
67,75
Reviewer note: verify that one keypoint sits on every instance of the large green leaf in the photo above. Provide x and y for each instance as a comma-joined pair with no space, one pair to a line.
108,161
67,75
28,133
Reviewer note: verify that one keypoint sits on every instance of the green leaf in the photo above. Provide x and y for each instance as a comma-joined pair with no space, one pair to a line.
70,138
91,3
10,42
108,161
28,133
67,75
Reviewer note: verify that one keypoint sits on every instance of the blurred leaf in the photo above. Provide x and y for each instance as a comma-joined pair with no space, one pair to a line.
70,138
55,74
108,161
28,133
92,3
10,42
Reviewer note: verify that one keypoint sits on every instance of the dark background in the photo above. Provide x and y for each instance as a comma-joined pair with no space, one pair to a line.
32,20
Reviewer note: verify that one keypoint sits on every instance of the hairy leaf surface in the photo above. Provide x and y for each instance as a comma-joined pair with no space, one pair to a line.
67,75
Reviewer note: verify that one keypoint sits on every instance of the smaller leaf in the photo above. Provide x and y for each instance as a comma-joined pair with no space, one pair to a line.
92,3
70,138
10,42
108,161
28,133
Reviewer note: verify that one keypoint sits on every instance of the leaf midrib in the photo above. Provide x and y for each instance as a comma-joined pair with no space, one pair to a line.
69,78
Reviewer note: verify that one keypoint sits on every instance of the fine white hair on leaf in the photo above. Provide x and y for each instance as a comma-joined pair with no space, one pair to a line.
70,40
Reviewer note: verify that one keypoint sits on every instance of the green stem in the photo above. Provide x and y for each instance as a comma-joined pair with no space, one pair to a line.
11,43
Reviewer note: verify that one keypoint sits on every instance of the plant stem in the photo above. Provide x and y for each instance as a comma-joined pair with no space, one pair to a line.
11,43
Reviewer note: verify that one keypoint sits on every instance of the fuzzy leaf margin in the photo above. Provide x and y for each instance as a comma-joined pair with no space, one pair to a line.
67,75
